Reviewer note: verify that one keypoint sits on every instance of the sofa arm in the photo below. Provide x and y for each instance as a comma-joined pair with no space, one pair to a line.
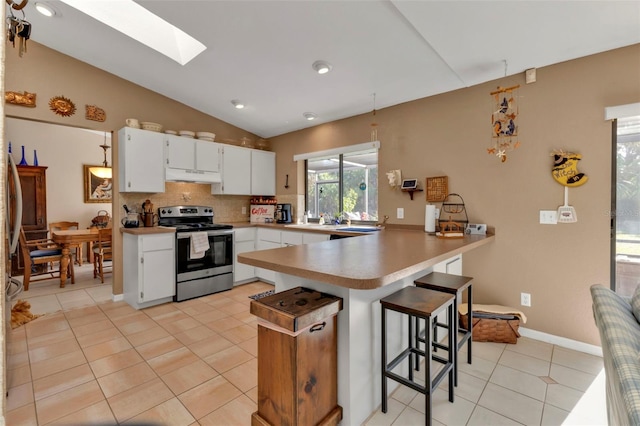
620,337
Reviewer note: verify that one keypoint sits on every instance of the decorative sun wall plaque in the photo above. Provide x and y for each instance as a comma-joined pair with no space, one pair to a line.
23,99
62,106
94,113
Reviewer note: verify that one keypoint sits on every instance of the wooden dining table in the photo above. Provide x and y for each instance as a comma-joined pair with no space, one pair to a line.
69,238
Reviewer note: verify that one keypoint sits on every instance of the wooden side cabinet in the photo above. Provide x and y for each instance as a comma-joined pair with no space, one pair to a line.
33,180
297,359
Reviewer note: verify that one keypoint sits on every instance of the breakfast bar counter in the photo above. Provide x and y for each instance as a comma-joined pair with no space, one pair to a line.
363,270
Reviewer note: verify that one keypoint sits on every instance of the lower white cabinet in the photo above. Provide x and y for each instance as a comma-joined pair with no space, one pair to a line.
451,266
149,273
244,241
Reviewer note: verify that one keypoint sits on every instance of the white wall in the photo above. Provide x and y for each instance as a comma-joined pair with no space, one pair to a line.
64,150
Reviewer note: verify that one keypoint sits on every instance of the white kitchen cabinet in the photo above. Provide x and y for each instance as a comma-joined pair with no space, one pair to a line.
313,237
149,276
191,154
236,171
451,266
267,239
140,160
245,241
291,238
263,172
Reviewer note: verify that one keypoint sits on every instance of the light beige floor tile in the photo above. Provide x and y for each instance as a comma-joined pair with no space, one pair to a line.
250,346
525,363
210,345
173,360
189,376
227,359
511,404
409,416
235,412
209,396
378,418
245,316
93,328
78,301
483,417
146,336
125,379
43,304
159,347
15,346
139,399
563,397
253,394
224,324
100,294
240,334
194,309
448,413
578,360
46,325
520,382
170,412
233,307
244,376
107,348
19,396
572,378
552,416
181,325
67,402
18,376
469,387
480,368
112,363
403,394
534,348
56,364
18,360
117,310
82,312
98,414
195,334
87,319
489,351
211,316
159,310
170,317
71,296
135,325
99,337
42,353
64,380
23,416
50,338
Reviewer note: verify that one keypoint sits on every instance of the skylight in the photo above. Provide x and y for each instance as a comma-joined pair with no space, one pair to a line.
141,25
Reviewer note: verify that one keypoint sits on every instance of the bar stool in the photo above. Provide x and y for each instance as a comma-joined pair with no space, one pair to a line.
424,304
452,284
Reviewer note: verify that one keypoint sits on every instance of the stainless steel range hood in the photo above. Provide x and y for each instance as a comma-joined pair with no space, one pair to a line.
194,176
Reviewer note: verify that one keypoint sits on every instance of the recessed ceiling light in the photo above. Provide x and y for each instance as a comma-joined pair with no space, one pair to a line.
309,116
238,104
45,9
321,67
140,24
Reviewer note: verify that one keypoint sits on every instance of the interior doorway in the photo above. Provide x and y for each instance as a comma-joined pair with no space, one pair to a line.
625,218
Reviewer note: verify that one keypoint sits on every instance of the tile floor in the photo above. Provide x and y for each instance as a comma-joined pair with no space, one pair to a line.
90,360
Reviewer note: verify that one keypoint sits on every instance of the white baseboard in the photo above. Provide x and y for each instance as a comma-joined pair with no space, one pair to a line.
561,341
117,297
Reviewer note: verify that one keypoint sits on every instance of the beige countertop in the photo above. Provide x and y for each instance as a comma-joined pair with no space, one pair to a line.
148,230
366,262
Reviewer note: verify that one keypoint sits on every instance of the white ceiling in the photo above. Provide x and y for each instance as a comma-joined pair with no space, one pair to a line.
261,51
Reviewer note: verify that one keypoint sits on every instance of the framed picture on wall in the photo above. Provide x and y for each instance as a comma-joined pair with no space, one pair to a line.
98,183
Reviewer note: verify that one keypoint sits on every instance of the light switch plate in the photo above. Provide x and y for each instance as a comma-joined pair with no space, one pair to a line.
400,213
548,217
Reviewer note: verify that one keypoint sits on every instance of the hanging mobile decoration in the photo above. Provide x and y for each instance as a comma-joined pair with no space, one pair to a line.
374,125
504,122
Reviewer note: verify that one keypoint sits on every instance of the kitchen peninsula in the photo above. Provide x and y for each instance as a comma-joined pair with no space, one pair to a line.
361,271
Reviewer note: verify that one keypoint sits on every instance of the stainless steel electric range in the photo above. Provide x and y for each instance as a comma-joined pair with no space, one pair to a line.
204,251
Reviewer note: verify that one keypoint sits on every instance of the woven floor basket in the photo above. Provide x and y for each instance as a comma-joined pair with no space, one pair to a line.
493,330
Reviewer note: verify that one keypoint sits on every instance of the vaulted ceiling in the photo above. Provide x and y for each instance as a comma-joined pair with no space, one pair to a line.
261,51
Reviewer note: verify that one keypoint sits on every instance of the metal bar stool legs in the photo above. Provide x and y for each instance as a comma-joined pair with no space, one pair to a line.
417,304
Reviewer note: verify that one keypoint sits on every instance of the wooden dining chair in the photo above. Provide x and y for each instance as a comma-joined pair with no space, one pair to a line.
102,252
63,226
38,252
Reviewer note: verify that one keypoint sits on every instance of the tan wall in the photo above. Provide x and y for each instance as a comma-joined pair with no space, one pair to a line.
48,73
449,134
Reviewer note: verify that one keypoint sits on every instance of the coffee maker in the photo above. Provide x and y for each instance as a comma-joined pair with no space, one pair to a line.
283,213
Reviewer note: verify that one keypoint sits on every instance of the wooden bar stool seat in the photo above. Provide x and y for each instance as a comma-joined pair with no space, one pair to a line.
456,285
418,303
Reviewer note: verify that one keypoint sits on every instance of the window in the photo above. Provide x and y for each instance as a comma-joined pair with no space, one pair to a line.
343,183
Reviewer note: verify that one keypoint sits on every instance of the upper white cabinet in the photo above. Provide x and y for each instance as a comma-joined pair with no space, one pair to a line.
263,172
140,160
191,154
246,172
236,171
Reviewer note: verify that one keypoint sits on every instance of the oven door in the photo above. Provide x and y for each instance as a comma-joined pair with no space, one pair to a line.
217,259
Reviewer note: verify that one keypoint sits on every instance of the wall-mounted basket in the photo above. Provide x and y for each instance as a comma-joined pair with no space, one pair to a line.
453,211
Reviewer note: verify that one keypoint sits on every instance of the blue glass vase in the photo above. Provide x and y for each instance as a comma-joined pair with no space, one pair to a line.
23,162
35,158
9,147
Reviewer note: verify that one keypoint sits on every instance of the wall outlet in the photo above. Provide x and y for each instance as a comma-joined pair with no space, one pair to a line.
525,299
244,209
549,217
400,213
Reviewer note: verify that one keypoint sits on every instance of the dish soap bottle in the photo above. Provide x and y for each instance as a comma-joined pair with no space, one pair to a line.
321,221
